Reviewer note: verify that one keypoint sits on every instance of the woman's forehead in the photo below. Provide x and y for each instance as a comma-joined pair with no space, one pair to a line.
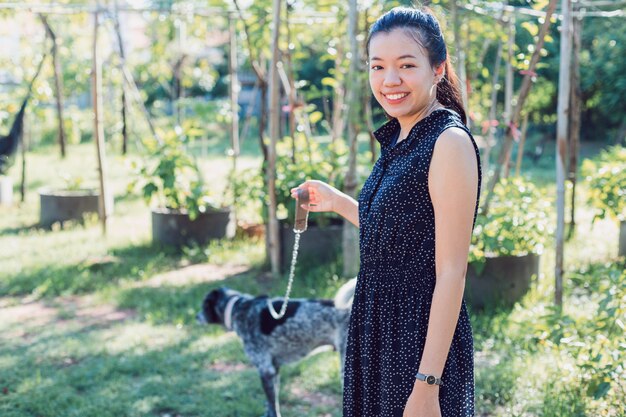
397,44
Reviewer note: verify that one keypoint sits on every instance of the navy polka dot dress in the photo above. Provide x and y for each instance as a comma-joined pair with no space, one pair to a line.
396,280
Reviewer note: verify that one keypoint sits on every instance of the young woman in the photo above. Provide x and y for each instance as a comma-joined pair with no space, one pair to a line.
410,348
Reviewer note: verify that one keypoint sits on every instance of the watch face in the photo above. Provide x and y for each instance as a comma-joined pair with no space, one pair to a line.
430,380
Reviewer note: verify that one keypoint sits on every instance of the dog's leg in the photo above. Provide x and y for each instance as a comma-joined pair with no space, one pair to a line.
270,378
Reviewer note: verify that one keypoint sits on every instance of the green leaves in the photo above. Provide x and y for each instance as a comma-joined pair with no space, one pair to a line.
606,177
517,223
172,178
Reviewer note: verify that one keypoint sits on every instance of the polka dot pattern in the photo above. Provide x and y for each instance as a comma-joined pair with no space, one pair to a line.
396,280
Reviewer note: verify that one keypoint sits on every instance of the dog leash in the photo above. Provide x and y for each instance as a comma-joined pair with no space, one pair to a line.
300,225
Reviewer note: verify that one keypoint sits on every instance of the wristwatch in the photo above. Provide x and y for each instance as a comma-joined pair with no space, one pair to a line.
429,379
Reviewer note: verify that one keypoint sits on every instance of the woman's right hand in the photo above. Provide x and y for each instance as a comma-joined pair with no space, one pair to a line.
322,197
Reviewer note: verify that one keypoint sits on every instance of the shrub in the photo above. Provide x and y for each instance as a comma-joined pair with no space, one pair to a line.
517,222
606,177
171,177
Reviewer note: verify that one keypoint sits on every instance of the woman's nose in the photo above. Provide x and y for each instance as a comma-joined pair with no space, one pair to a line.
391,78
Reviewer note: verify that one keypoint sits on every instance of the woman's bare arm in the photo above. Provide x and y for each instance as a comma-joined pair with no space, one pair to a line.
348,208
453,184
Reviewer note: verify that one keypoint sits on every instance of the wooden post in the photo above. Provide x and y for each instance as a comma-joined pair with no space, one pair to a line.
339,96
350,236
493,108
291,90
508,87
179,90
23,145
508,81
234,106
98,129
575,110
561,144
58,81
120,44
367,97
520,147
274,113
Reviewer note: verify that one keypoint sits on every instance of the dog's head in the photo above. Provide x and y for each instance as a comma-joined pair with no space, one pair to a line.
214,304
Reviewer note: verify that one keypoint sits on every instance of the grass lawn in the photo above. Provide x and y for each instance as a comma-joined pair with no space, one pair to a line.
105,326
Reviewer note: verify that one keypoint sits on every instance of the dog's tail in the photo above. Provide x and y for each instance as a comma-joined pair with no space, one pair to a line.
343,299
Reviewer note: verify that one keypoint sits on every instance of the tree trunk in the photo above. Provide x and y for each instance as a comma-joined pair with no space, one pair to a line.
508,87
350,233
98,131
274,121
367,102
574,122
493,109
292,89
120,45
58,81
563,116
234,108
338,98
520,147
24,146
508,83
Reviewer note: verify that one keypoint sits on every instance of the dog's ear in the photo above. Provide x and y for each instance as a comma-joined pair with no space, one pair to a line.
209,307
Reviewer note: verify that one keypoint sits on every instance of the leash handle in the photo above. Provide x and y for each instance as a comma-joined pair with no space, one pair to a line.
302,214
300,226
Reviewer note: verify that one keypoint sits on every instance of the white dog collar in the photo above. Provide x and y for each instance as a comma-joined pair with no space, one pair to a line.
228,312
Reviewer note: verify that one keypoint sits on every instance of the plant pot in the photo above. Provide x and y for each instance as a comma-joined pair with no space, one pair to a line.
63,205
251,230
6,190
622,239
318,243
503,281
172,227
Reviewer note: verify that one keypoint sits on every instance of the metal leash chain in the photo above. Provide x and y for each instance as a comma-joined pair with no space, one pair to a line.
300,222
294,256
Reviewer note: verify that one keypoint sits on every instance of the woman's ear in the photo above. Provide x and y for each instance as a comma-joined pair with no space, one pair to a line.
440,72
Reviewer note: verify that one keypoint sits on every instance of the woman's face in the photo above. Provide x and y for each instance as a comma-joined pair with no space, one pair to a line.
401,77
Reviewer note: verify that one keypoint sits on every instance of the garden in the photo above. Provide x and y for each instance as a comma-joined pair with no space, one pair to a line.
148,149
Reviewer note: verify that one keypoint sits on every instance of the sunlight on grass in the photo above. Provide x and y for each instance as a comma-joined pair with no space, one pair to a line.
105,326
139,338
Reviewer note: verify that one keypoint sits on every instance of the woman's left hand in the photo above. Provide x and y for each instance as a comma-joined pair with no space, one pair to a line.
423,401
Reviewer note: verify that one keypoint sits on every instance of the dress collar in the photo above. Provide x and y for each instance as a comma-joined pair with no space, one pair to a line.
385,134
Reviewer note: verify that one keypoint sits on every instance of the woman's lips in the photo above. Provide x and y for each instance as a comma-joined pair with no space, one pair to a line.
395,98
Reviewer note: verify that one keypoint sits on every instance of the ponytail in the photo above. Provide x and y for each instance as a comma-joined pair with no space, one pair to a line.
449,92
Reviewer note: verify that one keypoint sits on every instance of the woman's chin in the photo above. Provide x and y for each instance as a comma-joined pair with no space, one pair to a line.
394,113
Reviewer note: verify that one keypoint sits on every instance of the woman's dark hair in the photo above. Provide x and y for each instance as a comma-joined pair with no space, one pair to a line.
423,26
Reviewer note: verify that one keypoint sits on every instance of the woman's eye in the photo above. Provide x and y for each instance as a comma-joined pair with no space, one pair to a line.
376,67
407,66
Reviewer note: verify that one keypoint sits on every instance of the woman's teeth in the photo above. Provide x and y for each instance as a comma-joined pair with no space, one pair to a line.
396,96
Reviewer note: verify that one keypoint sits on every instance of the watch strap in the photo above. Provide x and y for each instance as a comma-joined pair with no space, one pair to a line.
429,379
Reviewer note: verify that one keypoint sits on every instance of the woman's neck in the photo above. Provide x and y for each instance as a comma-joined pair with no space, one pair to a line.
407,123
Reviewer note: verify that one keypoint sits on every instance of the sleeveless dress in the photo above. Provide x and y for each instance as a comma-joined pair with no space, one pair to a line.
391,306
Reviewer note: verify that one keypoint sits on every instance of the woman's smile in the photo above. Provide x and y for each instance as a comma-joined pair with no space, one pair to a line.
395,98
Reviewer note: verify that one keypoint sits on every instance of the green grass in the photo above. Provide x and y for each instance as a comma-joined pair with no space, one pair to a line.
99,326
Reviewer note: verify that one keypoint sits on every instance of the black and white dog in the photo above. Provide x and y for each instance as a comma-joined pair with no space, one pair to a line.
270,343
